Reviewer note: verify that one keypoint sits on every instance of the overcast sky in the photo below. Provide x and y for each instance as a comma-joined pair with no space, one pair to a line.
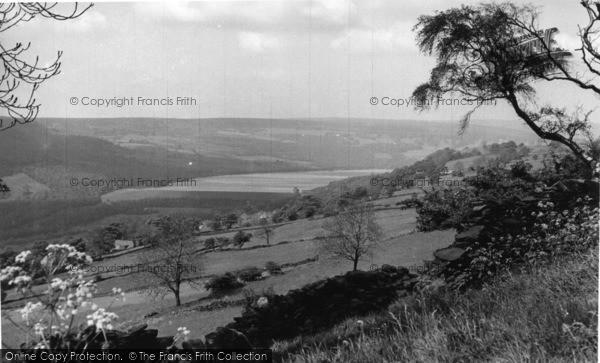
255,59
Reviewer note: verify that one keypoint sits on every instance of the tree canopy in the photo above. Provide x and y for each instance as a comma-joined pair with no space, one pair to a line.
21,78
497,51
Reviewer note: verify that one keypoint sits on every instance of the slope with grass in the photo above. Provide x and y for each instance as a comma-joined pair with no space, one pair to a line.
547,312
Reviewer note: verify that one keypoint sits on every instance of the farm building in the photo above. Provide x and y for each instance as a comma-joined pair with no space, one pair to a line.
122,244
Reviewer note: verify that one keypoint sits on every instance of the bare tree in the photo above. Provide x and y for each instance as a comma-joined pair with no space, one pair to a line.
21,78
351,234
266,231
497,51
172,261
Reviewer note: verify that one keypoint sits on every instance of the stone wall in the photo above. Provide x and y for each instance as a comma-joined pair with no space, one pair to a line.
312,308
137,337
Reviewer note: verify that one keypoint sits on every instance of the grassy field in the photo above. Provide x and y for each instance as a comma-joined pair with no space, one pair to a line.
398,248
394,222
408,251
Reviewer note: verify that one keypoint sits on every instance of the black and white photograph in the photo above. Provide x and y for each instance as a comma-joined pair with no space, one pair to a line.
300,181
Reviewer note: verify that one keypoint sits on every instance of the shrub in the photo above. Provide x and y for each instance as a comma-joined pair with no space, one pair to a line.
222,242
330,213
521,170
225,282
240,238
443,209
496,181
412,202
446,208
273,267
553,233
210,243
250,274
311,211
567,167
300,206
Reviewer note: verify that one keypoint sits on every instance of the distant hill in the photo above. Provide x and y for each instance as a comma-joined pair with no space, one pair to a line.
326,143
53,159
159,148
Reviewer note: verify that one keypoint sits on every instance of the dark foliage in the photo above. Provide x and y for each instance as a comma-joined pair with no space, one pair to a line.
55,218
210,243
446,208
273,267
299,206
223,283
249,274
240,238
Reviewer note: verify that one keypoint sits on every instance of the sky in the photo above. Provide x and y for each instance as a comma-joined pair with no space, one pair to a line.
280,59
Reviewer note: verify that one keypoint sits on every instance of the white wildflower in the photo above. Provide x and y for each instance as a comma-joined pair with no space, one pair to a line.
58,283
8,272
28,310
39,329
20,280
22,257
262,302
102,319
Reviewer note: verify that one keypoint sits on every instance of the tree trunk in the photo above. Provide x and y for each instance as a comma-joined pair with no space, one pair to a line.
355,263
572,145
177,298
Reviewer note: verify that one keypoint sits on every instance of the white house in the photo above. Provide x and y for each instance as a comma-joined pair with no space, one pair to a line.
122,244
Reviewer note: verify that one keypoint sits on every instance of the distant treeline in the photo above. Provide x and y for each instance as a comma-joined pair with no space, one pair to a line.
431,167
23,219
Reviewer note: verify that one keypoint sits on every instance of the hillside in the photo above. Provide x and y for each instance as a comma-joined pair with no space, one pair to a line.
431,167
330,143
545,314
33,146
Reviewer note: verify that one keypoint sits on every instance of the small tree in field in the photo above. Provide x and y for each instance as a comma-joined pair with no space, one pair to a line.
230,220
352,234
222,242
210,243
459,169
240,238
172,261
266,232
